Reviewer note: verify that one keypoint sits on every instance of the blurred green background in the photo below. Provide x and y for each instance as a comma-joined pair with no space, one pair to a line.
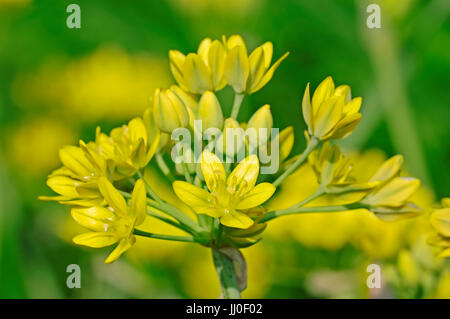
58,84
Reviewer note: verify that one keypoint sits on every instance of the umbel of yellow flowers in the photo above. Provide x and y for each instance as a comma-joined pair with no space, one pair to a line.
107,181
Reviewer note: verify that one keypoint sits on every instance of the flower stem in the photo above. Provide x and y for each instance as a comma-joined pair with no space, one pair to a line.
238,98
165,237
149,189
172,211
316,194
163,167
313,143
304,210
227,275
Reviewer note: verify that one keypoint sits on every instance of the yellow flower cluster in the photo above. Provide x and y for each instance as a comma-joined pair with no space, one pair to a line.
106,180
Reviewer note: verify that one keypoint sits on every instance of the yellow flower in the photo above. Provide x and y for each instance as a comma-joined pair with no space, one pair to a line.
76,182
228,198
248,74
332,113
114,223
129,147
201,71
440,220
332,169
389,199
169,111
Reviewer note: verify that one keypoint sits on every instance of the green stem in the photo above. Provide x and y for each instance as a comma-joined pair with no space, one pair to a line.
304,210
313,143
163,167
165,237
227,275
317,194
168,221
193,227
148,188
187,176
238,98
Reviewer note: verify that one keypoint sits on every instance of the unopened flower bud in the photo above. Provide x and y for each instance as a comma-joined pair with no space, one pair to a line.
210,111
169,112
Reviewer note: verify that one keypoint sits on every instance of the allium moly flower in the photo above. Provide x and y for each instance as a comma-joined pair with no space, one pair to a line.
201,71
228,198
332,169
440,220
389,199
332,113
129,147
115,222
76,181
249,73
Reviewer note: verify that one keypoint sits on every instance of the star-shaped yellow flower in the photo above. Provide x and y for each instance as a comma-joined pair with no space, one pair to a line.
228,198
114,223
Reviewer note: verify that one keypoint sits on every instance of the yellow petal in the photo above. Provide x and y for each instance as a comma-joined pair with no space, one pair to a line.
388,169
440,219
345,126
204,47
394,193
75,159
268,52
269,74
212,170
112,196
257,67
258,195
216,63
63,185
236,40
244,176
94,218
322,93
139,201
261,119
307,109
237,68
95,240
327,116
176,66
124,245
236,219
353,106
286,142
196,74
345,91
137,130
190,194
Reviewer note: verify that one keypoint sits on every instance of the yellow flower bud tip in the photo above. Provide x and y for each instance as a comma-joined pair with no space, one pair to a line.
331,113
210,111
227,198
